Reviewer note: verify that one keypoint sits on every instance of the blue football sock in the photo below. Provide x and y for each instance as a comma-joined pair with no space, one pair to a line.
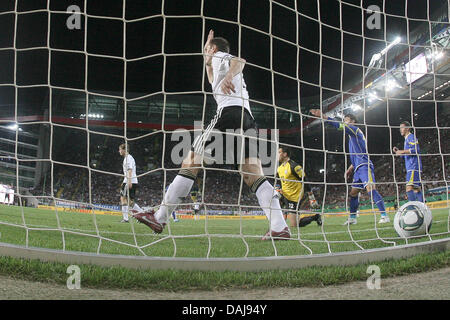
419,196
354,204
411,195
378,200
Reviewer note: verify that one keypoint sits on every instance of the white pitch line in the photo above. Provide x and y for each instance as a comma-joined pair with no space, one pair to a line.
178,236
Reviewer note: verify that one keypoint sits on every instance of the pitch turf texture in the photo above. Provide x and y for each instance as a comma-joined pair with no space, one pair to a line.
174,280
212,238
219,242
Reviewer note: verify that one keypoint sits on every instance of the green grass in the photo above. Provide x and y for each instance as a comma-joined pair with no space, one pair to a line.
173,280
74,230
188,238
213,238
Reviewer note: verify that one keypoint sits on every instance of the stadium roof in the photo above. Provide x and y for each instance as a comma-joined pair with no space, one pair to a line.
147,108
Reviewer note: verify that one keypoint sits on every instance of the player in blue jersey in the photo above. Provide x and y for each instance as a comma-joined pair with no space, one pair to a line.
361,167
413,163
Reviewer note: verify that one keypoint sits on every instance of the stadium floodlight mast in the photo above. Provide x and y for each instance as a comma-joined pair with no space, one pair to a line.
14,127
376,58
370,95
351,103
92,115
392,84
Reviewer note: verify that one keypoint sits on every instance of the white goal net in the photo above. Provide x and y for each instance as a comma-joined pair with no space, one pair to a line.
81,77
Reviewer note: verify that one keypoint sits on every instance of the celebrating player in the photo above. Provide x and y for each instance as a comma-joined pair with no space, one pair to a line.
413,163
224,73
292,190
130,183
361,167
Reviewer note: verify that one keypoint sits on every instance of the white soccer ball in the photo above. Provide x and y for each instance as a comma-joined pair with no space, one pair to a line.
413,218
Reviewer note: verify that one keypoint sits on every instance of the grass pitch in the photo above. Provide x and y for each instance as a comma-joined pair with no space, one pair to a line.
176,280
210,238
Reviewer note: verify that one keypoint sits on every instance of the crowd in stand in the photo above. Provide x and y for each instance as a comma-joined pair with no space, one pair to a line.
222,187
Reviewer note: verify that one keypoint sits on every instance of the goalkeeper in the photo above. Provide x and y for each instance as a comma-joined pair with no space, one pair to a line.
293,198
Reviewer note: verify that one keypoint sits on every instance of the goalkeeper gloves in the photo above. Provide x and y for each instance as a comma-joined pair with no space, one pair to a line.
312,201
278,192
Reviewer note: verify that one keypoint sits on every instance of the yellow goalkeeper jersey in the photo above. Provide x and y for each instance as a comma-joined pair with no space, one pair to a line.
290,173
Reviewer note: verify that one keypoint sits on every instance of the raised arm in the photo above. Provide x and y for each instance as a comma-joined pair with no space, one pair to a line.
319,114
349,129
208,54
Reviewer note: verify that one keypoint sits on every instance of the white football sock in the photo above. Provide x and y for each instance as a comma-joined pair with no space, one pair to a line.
125,213
268,201
178,189
136,207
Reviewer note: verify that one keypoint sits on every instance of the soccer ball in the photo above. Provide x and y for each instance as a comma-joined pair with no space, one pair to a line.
413,219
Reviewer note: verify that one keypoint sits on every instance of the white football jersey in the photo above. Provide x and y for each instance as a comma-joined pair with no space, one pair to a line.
221,65
129,163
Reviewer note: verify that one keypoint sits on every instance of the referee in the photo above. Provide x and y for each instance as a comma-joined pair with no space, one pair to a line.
293,197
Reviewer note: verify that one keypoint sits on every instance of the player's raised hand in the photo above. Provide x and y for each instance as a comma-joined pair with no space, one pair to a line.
208,40
227,85
207,49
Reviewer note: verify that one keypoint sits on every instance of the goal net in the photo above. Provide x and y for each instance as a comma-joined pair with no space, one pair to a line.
82,77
